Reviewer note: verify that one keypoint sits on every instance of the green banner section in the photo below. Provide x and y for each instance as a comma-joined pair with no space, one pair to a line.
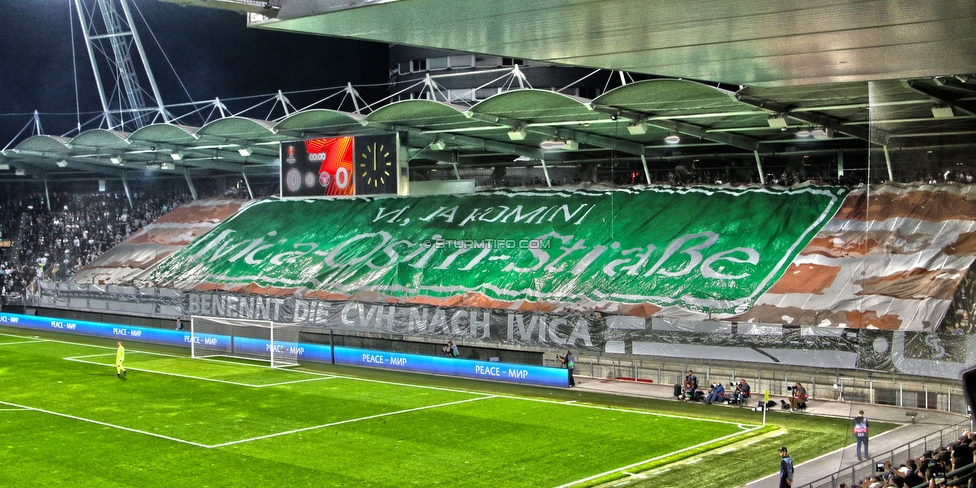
706,249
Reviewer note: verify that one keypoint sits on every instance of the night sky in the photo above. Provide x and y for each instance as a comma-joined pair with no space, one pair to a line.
212,52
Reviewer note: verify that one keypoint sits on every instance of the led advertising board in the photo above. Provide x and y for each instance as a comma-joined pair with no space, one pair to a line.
415,363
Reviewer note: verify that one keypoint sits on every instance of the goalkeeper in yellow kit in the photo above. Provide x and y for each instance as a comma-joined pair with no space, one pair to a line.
119,357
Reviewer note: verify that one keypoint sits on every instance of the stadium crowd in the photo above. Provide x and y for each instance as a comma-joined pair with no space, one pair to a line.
53,244
930,469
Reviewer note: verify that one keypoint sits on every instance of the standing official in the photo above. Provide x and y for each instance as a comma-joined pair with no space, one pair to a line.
861,434
785,468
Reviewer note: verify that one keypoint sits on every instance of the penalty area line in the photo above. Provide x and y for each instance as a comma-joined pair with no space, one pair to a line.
349,421
78,359
104,424
36,341
656,458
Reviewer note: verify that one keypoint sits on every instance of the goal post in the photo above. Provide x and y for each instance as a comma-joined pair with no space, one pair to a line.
260,340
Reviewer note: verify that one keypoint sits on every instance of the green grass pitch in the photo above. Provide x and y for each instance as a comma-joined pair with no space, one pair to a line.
176,421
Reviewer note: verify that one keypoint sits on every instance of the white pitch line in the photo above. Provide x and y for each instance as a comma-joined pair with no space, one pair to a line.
105,424
662,456
424,387
20,342
201,378
13,335
456,390
754,482
370,417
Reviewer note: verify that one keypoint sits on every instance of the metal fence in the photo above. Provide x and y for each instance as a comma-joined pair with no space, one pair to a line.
854,474
821,383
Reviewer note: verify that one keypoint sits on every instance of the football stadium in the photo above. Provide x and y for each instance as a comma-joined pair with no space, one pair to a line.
567,244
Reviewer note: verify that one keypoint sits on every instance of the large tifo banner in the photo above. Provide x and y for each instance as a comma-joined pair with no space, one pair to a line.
706,249
483,370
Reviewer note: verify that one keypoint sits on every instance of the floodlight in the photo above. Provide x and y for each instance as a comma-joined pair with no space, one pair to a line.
777,120
244,151
822,133
637,128
517,134
672,138
62,164
942,111
438,145
115,160
567,145
176,155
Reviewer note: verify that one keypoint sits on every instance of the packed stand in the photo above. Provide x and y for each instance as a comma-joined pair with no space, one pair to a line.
53,245
931,469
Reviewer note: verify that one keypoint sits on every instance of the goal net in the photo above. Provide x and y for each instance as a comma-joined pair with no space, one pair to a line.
261,340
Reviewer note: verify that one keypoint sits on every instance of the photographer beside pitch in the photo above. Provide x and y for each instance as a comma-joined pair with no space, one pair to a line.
741,393
717,394
451,350
799,397
570,362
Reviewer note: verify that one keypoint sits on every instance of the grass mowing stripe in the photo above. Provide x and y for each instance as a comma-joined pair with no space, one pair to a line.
77,359
827,453
484,443
572,403
240,441
356,378
662,456
104,424
341,422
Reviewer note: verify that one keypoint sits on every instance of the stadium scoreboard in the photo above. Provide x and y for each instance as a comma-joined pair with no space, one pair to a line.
341,166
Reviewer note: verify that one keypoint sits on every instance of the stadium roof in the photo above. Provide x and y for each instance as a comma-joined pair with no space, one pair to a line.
747,42
776,70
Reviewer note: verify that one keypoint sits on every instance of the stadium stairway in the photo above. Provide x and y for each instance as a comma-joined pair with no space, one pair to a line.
917,426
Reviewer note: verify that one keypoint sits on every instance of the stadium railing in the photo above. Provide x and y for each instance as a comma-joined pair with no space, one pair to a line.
863,469
958,477
917,392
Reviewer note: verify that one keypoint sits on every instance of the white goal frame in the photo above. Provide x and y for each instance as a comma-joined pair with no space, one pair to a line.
257,340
